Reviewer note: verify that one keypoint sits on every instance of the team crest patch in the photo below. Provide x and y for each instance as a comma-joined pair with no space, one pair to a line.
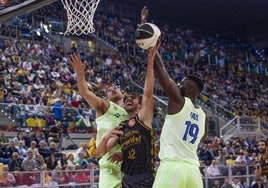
117,115
115,108
131,122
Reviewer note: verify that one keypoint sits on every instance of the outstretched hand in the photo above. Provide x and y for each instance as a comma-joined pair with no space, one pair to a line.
144,14
116,157
114,133
77,64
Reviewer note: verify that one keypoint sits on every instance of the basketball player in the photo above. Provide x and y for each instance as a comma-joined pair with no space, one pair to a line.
184,126
109,114
262,167
136,135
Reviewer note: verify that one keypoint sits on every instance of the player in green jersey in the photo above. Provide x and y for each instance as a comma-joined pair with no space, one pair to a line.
109,114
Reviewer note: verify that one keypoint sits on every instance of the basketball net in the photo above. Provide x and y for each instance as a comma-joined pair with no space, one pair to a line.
80,15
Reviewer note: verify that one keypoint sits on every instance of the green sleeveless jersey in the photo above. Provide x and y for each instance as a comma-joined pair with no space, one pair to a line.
182,133
112,118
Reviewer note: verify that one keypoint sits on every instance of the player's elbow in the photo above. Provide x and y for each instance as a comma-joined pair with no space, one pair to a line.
98,154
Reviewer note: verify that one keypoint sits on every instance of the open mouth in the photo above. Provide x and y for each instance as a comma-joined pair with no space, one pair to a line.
129,103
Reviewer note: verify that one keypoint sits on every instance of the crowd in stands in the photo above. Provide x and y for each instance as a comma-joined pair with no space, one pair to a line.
23,157
36,76
235,73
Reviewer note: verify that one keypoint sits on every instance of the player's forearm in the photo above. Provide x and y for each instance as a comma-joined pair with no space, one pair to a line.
102,148
82,83
168,85
107,143
160,71
149,81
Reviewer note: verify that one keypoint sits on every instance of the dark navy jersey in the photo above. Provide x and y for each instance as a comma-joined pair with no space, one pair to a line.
137,144
264,166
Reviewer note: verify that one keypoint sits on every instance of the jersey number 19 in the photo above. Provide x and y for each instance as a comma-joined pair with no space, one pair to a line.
192,130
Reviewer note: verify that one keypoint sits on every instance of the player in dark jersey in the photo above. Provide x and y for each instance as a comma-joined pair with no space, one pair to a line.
137,146
135,135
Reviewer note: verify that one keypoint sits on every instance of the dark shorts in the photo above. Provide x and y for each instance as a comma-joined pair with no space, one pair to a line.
138,181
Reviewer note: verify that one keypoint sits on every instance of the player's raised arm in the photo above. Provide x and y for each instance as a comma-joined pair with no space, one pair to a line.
97,103
146,112
172,90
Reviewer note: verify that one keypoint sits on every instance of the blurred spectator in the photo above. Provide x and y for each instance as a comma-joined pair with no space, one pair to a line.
7,179
19,138
57,109
82,149
257,183
80,176
243,182
204,155
94,164
226,183
43,150
40,163
216,184
27,138
62,162
213,169
28,162
82,160
21,149
92,145
10,149
37,137
228,150
3,139
71,163
57,175
55,132
235,183
51,162
15,163
53,149
48,182
33,148
239,168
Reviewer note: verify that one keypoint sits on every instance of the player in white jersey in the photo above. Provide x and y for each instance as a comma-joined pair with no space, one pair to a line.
109,115
185,125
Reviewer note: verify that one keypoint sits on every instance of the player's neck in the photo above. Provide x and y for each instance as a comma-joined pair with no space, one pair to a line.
132,114
120,102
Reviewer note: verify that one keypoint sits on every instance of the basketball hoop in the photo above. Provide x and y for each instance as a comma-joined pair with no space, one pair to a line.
80,15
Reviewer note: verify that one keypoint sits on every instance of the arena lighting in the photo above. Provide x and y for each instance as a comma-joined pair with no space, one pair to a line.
38,32
46,28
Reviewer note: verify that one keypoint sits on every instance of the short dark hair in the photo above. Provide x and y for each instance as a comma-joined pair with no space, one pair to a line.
263,140
118,86
197,80
134,94
106,91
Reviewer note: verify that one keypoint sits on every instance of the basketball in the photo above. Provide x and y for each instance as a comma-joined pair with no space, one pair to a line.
147,35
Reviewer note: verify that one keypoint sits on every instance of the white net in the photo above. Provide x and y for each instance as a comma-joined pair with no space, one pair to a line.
80,15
